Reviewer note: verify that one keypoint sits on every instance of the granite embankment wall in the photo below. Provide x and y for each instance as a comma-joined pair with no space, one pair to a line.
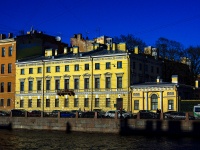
105,125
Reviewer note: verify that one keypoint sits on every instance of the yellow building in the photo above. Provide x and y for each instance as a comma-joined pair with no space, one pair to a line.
97,80
160,95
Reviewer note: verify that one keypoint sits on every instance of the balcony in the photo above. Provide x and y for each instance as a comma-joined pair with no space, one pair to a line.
63,92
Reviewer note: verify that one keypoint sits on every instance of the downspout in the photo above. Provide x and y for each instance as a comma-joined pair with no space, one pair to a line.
92,86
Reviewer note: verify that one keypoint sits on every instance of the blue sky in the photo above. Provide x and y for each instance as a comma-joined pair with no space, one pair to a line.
148,20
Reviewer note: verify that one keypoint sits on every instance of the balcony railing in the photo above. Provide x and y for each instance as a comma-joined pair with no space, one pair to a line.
63,92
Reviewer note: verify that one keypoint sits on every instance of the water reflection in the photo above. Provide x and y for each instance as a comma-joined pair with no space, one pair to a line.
57,140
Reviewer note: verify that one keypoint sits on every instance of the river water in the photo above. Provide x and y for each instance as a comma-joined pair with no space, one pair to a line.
58,140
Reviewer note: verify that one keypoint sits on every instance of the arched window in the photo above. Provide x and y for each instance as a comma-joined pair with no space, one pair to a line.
154,102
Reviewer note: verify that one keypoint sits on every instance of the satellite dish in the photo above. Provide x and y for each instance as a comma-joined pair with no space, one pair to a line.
58,38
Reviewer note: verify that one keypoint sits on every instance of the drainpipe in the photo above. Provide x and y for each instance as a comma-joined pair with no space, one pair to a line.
92,85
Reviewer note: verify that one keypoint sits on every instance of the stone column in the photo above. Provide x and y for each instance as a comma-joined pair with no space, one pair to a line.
161,101
146,97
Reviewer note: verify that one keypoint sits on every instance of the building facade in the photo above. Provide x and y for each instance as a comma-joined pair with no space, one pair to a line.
7,74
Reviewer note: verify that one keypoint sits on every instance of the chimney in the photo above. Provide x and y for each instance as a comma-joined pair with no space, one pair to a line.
65,50
136,50
2,36
113,46
56,52
174,78
10,35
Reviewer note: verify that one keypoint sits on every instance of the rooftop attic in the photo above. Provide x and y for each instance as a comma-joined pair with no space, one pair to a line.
3,36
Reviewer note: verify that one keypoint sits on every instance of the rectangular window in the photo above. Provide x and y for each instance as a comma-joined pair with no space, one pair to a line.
48,69
39,85
22,86
86,102
107,102
57,84
30,85
108,83
2,102
107,65
97,66
38,102
2,87
136,104
47,102
96,102
21,105
97,83
75,102
39,69
66,67
66,84
30,70
8,101
56,102
22,71
3,52
119,82
57,68
154,104
86,66
66,104
9,68
48,85
76,83
10,49
119,64
30,103
9,87
2,68
76,67
170,105
86,83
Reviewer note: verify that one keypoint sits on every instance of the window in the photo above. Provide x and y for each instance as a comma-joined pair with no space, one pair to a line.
136,104
119,82
30,103
2,68
30,85
108,83
47,102
96,102
38,102
140,66
2,102
56,102
107,65
57,84
154,102
39,69
10,49
3,52
86,83
86,66
151,69
21,105
9,68
30,70
2,87
66,84
97,66
76,83
47,85
170,105
66,104
97,83
8,101
21,86
107,102
39,85
76,67
48,69
119,64
86,102
22,71
146,68
66,67
57,68
75,102
9,87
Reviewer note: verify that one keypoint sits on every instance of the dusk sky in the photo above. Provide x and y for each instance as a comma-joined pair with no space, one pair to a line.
148,20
